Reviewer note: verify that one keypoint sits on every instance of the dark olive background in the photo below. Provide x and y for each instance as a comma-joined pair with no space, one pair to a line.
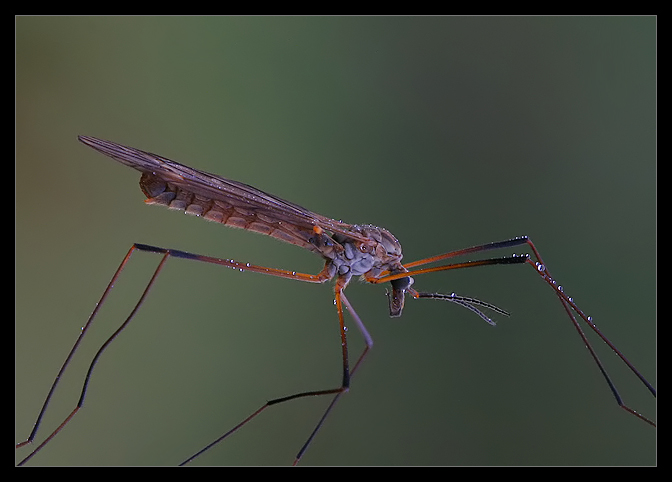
448,131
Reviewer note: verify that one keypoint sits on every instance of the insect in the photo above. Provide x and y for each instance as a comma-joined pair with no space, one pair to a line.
349,251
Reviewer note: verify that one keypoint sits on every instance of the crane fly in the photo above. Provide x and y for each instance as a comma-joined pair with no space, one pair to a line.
359,250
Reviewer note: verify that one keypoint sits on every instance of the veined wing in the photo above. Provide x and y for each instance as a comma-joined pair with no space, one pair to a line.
211,186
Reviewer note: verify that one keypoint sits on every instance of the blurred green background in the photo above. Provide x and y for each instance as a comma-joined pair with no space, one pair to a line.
447,131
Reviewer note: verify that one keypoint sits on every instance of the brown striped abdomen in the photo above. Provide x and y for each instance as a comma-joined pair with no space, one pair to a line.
242,216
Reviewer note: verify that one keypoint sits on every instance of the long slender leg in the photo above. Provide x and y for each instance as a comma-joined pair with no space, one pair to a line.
341,300
569,305
541,269
318,278
368,341
474,249
36,426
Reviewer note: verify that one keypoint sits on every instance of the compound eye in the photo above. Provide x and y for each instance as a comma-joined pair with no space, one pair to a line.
365,248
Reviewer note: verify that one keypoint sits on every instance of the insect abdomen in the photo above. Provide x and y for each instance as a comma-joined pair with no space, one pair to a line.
160,192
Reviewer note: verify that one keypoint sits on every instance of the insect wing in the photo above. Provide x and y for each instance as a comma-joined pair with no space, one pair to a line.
219,188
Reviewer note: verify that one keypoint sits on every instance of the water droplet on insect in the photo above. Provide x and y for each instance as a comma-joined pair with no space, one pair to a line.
590,319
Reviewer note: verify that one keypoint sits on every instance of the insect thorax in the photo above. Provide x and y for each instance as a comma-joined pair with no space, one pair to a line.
379,252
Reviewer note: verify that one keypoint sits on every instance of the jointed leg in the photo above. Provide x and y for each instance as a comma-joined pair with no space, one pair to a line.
167,253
